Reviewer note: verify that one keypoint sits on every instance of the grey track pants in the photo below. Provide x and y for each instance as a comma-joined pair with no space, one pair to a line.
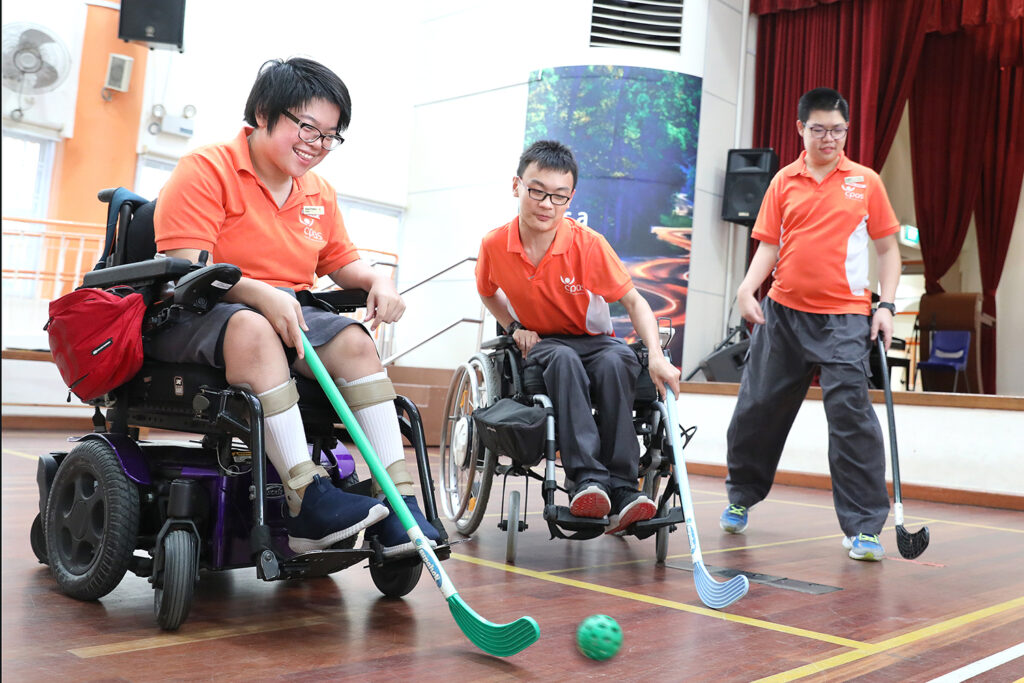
784,352
604,450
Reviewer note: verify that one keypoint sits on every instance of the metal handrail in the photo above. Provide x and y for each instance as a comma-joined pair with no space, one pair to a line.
471,259
479,321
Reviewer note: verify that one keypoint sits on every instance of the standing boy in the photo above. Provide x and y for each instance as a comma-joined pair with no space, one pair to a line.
815,224
548,280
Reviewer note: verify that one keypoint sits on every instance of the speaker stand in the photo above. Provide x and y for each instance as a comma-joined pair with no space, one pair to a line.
740,329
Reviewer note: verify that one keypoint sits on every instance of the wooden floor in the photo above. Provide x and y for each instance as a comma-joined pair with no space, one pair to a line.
956,606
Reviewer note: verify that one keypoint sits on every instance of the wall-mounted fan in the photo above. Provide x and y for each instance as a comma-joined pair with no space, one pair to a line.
35,61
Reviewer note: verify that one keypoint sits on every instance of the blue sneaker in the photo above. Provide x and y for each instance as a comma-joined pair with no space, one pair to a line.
392,535
329,515
864,547
734,519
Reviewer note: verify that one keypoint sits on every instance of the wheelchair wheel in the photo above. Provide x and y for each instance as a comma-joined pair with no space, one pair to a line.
171,603
92,521
38,540
397,580
467,468
512,533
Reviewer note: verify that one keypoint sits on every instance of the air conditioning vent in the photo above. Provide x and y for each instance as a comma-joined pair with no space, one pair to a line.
651,24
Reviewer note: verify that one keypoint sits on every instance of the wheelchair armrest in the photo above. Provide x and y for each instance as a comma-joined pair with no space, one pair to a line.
503,342
138,274
344,300
199,290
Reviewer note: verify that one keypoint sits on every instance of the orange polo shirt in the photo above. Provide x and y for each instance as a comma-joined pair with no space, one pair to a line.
824,232
214,201
567,292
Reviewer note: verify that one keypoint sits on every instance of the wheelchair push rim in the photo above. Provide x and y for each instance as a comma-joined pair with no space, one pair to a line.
466,466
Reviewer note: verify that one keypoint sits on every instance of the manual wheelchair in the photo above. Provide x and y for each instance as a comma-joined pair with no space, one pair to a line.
167,510
468,468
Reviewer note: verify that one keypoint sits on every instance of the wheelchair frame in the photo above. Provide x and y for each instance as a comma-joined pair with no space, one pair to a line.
184,503
468,468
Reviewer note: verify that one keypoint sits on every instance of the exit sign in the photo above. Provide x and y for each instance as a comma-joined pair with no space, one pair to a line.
910,236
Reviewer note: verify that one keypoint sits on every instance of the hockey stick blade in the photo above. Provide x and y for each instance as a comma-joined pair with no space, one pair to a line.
501,640
718,595
712,593
911,544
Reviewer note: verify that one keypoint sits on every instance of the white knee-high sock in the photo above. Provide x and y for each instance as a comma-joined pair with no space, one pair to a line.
285,443
380,423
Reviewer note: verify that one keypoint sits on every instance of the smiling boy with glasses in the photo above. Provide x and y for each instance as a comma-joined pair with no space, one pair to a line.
815,224
253,202
547,280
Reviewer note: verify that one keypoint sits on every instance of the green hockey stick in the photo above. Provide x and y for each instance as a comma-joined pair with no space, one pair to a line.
501,640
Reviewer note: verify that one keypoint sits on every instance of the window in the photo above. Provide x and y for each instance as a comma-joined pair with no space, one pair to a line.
27,169
150,175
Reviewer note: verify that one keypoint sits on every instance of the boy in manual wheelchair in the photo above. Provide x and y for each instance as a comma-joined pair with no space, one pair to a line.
547,280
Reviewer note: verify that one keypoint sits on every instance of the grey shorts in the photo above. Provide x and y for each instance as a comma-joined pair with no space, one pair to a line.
200,338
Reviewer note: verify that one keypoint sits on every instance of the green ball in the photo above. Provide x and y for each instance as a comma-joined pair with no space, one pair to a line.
599,637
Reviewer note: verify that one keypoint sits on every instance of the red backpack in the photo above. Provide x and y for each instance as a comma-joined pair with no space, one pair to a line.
96,339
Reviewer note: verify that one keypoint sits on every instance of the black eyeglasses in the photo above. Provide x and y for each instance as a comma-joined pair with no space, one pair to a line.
818,132
309,133
539,195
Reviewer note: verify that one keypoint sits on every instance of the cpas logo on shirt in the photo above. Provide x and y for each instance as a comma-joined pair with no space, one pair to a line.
309,213
853,187
570,285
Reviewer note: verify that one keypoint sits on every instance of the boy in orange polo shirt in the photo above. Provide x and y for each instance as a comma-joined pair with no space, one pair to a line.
815,224
252,202
548,280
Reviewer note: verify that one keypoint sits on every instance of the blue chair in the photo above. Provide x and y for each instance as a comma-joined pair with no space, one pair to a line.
949,349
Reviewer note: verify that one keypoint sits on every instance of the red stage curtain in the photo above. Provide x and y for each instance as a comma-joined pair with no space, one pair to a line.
1002,172
951,109
867,50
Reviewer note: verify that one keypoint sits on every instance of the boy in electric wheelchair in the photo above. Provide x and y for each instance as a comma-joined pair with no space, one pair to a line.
253,203
547,280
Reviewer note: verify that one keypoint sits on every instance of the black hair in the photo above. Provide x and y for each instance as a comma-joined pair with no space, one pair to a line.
551,155
295,83
822,99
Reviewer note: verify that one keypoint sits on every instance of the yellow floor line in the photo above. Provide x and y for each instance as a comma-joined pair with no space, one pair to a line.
8,451
892,643
173,639
661,602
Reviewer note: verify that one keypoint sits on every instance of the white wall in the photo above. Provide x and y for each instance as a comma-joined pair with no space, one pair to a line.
1010,313
938,446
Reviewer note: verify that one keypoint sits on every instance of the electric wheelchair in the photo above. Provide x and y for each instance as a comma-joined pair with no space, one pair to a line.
468,467
168,510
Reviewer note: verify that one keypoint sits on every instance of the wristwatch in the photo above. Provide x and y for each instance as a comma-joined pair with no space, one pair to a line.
513,326
889,306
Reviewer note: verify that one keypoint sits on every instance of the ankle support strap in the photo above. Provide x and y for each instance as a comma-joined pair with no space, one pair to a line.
400,476
302,474
279,399
368,394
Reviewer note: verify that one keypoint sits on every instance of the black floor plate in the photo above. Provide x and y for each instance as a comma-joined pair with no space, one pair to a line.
764,579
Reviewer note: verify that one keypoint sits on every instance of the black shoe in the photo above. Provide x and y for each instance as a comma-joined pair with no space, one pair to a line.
630,506
590,500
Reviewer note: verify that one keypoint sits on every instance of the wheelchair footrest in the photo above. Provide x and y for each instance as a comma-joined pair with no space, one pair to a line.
321,562
560,515
649,526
